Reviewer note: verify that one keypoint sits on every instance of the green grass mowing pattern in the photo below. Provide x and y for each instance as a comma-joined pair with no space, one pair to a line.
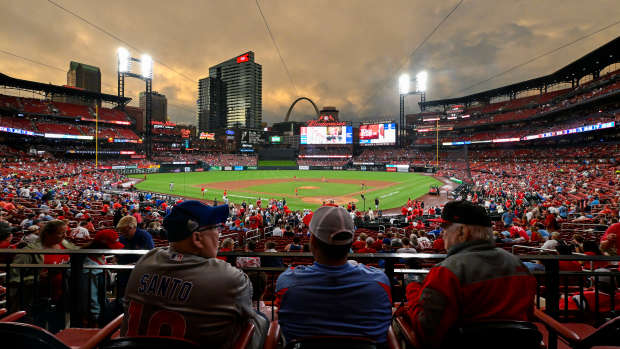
188,184
277,163
322,189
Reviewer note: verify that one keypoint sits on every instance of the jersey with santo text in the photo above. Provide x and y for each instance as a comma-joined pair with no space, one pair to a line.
181,295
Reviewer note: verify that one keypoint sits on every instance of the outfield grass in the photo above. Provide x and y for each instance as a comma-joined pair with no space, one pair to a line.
188,184
277,163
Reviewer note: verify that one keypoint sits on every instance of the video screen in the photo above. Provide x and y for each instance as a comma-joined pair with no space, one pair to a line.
327,135
378,134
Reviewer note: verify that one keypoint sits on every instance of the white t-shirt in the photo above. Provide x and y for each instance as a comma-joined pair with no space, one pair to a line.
550,244
81,233
276,232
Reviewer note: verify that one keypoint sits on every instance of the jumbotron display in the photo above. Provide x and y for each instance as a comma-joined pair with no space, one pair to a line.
327,135
378,134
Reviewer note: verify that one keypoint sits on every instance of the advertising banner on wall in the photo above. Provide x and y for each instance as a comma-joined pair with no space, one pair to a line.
215,168
397,168
304,167
227,168
238,168
252,168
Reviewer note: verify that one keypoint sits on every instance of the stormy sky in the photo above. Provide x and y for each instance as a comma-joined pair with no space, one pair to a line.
342,53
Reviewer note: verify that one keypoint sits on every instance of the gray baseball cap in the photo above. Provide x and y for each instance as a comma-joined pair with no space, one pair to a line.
330,221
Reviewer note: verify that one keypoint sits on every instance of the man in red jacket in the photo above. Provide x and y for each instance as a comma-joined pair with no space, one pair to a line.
476,282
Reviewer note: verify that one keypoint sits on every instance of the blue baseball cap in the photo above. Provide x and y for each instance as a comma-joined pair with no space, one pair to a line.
175,222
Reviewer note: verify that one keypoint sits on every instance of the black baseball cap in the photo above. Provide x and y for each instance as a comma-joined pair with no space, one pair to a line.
465,212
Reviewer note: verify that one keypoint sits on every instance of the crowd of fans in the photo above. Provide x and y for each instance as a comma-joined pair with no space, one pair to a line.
561,201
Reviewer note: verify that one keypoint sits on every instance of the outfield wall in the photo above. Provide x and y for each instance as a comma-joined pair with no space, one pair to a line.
193,167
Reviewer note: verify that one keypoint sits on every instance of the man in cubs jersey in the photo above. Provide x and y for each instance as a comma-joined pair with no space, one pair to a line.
184,291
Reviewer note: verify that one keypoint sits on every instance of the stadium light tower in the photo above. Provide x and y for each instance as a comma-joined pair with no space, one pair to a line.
404,82
124,61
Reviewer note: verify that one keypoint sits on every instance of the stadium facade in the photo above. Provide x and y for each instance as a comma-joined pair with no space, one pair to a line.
240,81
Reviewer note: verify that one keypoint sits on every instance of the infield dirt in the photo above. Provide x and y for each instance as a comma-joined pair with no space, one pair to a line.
339,200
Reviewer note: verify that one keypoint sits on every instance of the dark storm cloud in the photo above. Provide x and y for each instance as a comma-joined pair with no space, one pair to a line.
343,53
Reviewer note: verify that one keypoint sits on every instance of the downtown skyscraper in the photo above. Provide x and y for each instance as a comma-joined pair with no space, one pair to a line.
232,95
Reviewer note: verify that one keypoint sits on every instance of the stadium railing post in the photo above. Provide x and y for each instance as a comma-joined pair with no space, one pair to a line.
552,296
77,266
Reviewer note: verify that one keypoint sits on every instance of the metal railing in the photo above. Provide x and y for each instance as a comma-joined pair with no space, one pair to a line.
554,291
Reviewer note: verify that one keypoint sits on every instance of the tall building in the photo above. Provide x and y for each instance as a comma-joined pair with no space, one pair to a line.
242,80
84,76
211,104
159,106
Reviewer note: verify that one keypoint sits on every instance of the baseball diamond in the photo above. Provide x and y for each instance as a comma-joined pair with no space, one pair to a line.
313,187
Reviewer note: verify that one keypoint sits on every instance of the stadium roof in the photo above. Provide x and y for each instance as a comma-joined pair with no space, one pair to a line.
7,81
586,65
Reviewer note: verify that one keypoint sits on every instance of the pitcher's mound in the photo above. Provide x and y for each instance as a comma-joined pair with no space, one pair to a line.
308,187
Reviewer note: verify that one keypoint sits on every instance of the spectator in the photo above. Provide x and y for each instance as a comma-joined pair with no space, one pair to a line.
355,300
476,282
32,234
214,300
249,262
438,244
424,242
6,234
613,235
269,261
47,306
552,243
81,232
406,248
378,244
295,246
92,278
154,228
368,249
359,243
288,233
277,231
133,238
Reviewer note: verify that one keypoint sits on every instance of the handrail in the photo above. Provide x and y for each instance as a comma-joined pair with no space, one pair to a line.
532,248
10,251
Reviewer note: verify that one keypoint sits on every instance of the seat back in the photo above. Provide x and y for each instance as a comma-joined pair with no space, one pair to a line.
493,334
154,342
332,342
18,335
606,335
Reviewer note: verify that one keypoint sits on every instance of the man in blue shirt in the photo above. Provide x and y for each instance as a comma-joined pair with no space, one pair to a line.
133,239
507,217
333,297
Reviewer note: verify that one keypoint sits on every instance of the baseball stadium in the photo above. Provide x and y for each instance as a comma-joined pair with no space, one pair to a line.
266,191
302,189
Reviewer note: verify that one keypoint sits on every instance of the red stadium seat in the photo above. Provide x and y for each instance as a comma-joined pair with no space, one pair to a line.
12,317
492,334
162,342
30,336
582,336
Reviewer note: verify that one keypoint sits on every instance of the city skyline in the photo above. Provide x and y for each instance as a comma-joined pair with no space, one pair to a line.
343,54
